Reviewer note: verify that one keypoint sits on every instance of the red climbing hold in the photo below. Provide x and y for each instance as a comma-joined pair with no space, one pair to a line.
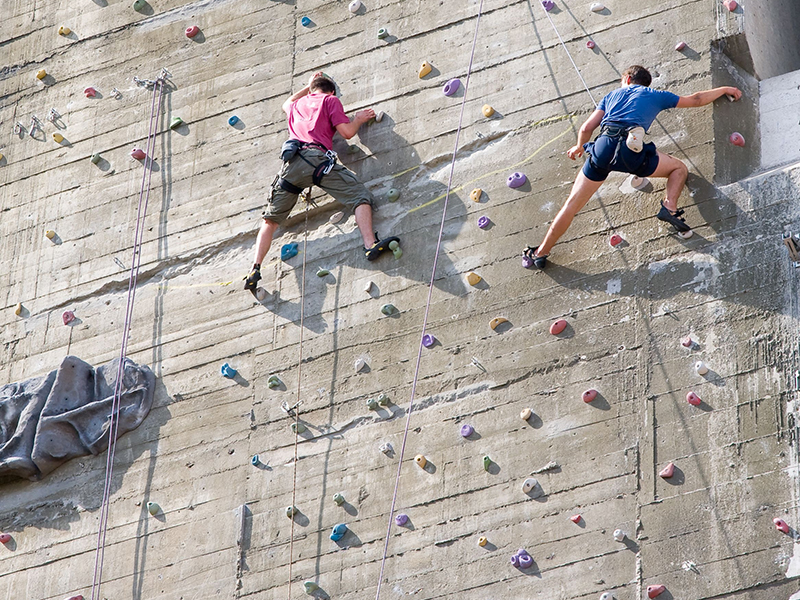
731,5
4,538
737,139
589,395
575,519
590,45
90,92
667,471
693,399
138,153
615,240
781,525
68,317
78,597
687,342
655,590
558,327
192,31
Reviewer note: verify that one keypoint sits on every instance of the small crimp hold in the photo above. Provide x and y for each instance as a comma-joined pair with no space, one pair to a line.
338,499
781,525
655,590
487,463
421,461
475,195
175,122
693,399
290,511
322,272
488,111
615,240
425,69
392,195
273,382
496,322
700,367
525,414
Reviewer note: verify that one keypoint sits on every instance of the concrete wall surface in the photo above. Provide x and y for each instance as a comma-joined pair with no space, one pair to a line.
222,532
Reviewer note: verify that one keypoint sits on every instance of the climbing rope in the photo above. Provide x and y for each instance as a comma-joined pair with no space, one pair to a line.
113,425
560,39
428,306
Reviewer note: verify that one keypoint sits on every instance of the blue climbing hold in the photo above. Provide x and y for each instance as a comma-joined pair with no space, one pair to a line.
228,371
305,21
338,532
233,120
288,251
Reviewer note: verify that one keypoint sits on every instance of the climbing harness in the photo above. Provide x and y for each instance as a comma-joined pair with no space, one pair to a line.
427,307
113,425
292,148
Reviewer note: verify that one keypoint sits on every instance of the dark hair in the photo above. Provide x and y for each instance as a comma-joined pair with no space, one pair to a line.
323,84
639,75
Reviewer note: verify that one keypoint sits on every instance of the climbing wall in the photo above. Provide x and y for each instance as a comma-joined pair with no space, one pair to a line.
531,460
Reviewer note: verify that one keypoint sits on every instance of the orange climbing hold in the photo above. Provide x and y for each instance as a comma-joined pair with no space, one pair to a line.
655,590
558,327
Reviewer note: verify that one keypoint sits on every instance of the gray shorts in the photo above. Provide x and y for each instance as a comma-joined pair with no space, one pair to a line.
341,183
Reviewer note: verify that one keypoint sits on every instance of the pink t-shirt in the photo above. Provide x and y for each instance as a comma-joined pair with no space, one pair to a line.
313,118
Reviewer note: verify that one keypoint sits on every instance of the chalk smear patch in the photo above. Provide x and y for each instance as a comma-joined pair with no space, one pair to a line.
614,286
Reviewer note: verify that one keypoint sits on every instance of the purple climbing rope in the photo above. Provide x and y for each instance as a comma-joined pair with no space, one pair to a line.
136,260
428,306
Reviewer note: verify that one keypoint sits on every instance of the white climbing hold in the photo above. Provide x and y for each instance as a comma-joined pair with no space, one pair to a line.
379,116
261,294
619,535
700,367
597,7
638,183
354,6
607,596
526,414
368,287
531,486
386,448
360,363
336,217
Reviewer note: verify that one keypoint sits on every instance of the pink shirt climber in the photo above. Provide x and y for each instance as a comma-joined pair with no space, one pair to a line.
314,117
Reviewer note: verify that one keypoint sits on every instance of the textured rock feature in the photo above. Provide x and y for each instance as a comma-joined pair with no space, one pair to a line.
45,421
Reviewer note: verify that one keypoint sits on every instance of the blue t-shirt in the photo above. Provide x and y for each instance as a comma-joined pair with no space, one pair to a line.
635,105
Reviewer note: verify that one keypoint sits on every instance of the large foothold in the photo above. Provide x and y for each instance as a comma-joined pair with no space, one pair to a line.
496,322
475,195
421,461
153,508
655,590
737,139
309,586
589,395
667,471
516,179
558,326
68,317
525,414
228,371
473,278
451,87
619,535
700,367
192,31
488,111
338,532
781,525
289,250
597,7
428,340
693,399
138,153
467,430
425,69
401,519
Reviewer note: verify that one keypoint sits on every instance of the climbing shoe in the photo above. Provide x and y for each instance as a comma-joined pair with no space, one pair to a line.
251,281
673,218
530,259
379,247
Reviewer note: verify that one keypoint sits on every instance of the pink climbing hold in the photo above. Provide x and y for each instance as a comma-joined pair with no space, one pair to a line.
575,519
615,240
192,31
68,317
589,395
731,5
558,327
138,153
680,46
655,590
590,45
78,597
781,525
90,92
4,538
667,471
687,342
737,139
693,399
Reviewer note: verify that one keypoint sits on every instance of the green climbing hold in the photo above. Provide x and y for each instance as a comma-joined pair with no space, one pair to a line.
153,508
396,249
372,403
291,511
382,32
487,462
353,149
338,499
383,400
322,272
139,4
175,122
388,309
298,427
310,587
392,195
273,382
96,158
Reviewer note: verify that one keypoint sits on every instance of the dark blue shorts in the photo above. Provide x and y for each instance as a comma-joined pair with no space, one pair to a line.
607,154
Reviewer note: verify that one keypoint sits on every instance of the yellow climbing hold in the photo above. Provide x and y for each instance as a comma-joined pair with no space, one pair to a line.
421,461
473,279
425,69
41,74
18,309
475,195
496,322
488,111
58,137
50,234
64,30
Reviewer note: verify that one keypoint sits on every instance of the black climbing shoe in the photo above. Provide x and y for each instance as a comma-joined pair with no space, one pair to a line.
530,259
251,281
379,247
673,218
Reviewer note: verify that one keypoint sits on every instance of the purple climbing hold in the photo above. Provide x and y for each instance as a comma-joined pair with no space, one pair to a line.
467,430
401,519
516,179
525,561
428,340
548,5
515,560
483,222
451,87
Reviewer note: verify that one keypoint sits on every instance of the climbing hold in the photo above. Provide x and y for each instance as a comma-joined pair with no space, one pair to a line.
687,342
288,251
516,179
153,508
473,278
255,460
638,183
336,217
372,403
483,222
589,395
737,139
90,92
291,511
667,471
548,5
360,364
353,149
558,327
607,596
18,309
379,116
619,535
397,251
615,240
354,6
424,69
298,427
467,430
49,234
731,5
421,461
309,586
655,590
305,22
382,32
529,485
496,322
575,519
680,46
383,400
139,4
590,45
175,122
192,31
95,158
233,120
392,195
475,195
693,399
487,462
41,74
488,111
4,538
700,367
322,272
451,87
428,340
68,317
386,448
138,153
522,559
64,30
338,532
597,7
388,309
338,499
401,519
58,137
228,371
525,414
781,525
482,541
273,382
